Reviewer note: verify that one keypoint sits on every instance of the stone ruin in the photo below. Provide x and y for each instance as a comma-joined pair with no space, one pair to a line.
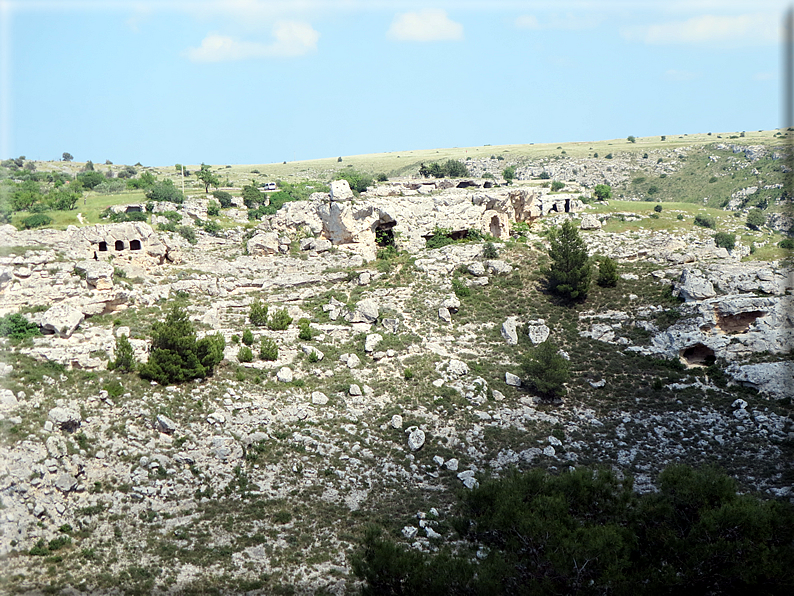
130,240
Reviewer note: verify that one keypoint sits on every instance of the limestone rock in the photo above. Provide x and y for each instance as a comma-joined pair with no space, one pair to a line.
165,424
457,368
509,331
590,222
65,418
391,325
451,303
319,398
443,314
284,375
498,267
416,439
309,350
65,482
340,190
367,311
477,269
692,287
98,274
264,243
355,390
538,331
371,341
512,380
775,379
62,319
397,421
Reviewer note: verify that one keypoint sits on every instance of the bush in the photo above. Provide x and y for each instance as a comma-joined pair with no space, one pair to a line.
602,192
244,354
725,240
631,139
358,181
176,356
509,174
16,326
382,177
212,227
441,237
680,217
279,320
224,198
653,189
705,221
213,208
165,191
658,208
451,169
248,337
755,219
608,156
461,290
36,220
569,272
187,233
305,332
268,350
557,185
544,175
607,273
545,370
489,251
125,356
712,180
258,314
787,243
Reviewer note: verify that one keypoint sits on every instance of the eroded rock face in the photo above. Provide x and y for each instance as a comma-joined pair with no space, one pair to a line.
263,243
692,286
775,379
61,319
340,191
98,274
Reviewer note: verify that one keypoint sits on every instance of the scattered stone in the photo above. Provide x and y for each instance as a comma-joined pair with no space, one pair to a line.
498,395
468,479
590,222
598,384
477,269
410,532
538,331
391,325
65,418
416,439
457,368
284,375
692,287
509,331
165,424
444,315
309,350
340,190
353,361
451,303
367,311
65,482
498,267
355,390
62,320
371,341
451,465
397,421
512,380
319,398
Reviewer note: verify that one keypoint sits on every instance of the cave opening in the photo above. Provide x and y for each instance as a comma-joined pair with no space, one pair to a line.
698,355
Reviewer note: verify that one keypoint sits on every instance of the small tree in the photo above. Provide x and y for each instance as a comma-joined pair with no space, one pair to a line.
224,198
67,156
602,192
545,370
258,314
556,185
509,174
213,208
207,177
305,332
631,139
125,356
725,240
244,354
268,350
569,272
705,221
248,337
607,273
279,320
658,208
755,219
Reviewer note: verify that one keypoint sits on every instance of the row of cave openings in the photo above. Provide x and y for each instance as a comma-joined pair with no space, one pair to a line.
119,245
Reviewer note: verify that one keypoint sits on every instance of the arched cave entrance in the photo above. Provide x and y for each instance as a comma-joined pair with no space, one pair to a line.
135,245
495,227
103,246
487,184
119,245
466,184
739,322
697,355
567,205
384,234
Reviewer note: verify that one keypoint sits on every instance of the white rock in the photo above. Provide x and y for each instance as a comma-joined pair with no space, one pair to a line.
416,439
498,395
457,368
509,331
444,315
410,532
62,319
367,311
65,418
371,341
451,303
477,269
284,375
692,287
165,424
451,465
355,390
431,533
512,380
312,350
538,332
319,398
590,222
397,421
340,190
775,379
263,243
353,361
498,267
438,460
549,451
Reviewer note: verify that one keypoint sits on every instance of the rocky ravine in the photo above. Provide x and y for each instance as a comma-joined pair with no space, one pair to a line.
261,476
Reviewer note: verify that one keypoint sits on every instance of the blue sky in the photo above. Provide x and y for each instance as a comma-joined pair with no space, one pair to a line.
259,81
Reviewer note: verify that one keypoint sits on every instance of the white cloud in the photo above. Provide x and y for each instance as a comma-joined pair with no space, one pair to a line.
680,75
742,29
425,25
292,39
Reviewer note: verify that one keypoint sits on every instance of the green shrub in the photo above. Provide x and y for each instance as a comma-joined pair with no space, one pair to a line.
125,356
187,233
248,337
36,220
658,208
509,174
545,370
358,181
213,208
725,240
705,221
607,272
786,243
244,354
755,219
224,198
279,320
441,237
451,169
176,355
258,314
268,350
165,191
557,185
680,216
408,374
489,251
654,216
653,189
212,227
114,388
608,156
712,180
544,175
305,332
631,139
569,272
16,326
602,192
461,290
382,177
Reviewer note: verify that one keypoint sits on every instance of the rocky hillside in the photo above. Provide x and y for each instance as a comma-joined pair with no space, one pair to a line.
404,387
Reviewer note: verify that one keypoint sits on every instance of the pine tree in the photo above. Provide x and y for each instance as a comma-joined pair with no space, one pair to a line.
607,273
569,273
545,370
125,356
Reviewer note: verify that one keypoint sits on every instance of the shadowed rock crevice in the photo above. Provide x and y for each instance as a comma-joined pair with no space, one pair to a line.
739,322
697,355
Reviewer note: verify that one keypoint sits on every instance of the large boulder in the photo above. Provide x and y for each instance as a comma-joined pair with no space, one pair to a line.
693,287
340,191
98,274
590,222
264,243
61,319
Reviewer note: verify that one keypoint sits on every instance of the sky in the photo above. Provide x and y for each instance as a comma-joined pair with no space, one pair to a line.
261,81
